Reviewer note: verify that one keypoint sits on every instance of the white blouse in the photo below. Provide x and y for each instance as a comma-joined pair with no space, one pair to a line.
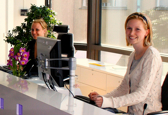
145,85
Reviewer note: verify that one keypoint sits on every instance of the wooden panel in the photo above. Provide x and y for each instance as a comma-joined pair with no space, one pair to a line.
99,91
93,78
85,76
86,89
113,82
98,80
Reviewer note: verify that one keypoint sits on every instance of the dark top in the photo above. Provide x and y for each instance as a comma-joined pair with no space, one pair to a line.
165,94
31,67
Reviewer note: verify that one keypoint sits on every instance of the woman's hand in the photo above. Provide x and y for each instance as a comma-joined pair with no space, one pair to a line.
95,97
99,101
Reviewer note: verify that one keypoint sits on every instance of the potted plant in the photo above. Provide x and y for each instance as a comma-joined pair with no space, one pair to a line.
21,35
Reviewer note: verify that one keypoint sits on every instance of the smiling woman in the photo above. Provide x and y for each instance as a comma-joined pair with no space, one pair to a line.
38,28
141,26
141,83
137,34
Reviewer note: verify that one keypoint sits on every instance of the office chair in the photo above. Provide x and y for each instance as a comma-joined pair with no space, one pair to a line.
164,99
67,51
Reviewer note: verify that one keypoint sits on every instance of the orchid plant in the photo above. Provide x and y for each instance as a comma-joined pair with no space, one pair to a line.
18,57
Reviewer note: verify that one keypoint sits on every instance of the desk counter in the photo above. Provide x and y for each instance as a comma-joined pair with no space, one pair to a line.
38,100
102,67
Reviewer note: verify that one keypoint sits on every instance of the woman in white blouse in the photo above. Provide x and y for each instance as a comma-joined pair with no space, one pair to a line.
142,82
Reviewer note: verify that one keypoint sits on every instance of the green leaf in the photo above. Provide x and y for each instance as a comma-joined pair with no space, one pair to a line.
17,48
22,34
14,62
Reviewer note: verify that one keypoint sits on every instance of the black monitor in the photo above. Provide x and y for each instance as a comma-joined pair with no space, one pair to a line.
48,48
51,49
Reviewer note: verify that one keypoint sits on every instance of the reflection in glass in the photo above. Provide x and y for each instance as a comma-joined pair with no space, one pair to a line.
17,83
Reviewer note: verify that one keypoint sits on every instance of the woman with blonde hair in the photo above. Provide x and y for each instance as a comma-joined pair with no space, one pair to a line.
38,28
141,86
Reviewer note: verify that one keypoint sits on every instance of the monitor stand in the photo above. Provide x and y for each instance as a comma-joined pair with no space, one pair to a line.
62,90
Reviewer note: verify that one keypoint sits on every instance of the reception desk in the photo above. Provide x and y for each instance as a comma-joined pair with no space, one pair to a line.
99,77
22,97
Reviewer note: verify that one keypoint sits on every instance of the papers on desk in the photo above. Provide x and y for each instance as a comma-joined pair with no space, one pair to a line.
96,64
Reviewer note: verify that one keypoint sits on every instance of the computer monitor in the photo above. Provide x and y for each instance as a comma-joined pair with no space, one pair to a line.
49,49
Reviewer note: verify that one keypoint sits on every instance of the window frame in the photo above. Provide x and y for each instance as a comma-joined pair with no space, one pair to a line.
93,46
159,7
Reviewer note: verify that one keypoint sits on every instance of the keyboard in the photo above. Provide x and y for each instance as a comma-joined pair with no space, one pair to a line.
85,99
5,69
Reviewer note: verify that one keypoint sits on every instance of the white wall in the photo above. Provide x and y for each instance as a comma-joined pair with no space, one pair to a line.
2,31
40,2
24,4
6,8
9,24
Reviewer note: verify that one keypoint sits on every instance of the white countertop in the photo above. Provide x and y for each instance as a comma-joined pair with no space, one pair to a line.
42,94
103,67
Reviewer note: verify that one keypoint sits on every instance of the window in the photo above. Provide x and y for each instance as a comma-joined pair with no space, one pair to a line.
114,4
84,3
161,3
70,13
112,24
109,3
138,5
114,58
105,33
119,3
113,44
80,54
